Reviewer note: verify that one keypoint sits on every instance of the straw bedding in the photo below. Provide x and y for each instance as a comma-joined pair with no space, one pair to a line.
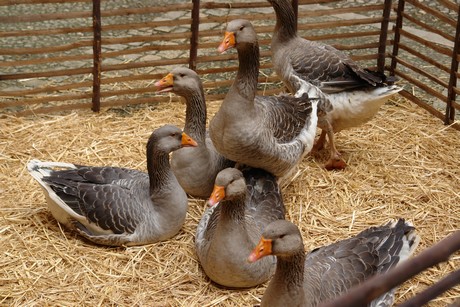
404,163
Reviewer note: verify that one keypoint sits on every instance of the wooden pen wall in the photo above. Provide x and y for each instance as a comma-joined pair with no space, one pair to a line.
52,58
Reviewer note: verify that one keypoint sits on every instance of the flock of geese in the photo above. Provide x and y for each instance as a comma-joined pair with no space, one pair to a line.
253,142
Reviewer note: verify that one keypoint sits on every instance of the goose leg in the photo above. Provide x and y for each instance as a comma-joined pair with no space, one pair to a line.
319,144
335,159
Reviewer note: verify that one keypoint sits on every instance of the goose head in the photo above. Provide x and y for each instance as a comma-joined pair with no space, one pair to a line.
238,33
181,81
280,238
229,184
169,138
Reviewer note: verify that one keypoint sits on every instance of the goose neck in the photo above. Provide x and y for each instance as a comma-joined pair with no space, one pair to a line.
286,22
195,116
248,70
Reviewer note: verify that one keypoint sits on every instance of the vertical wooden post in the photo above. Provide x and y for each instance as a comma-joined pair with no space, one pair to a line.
383,36
398,27
450,110
195,29
295,5
97,50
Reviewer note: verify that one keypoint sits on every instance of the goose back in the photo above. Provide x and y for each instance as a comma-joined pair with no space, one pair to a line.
326,272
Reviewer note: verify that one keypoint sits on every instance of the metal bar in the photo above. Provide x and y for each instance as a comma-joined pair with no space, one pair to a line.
97,50
383,36
194,27
451,95
397,38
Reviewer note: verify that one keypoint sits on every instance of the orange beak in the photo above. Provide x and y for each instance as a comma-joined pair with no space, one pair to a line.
228,42
264,248
165,84
218,193
188,141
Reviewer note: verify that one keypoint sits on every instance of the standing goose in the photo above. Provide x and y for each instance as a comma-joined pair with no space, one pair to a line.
194,167
327,272
118,206
268,132
228,231
354,95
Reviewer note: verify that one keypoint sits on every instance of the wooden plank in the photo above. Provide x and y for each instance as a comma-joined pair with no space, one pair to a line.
421,85
429,27
427,43
424,57
97,57
44,17
422,72
383,36
39,32
47,74
441,16
44,50
341,10
449,4
451,94
15,2
112,27
194,28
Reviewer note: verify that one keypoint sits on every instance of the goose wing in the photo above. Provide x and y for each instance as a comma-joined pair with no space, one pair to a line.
285,115
105,197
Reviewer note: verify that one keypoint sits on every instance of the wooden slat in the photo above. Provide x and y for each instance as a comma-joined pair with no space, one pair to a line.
427,43
428,59
47,74
44,17
422,72
15,2
45,50
429,27
449,4
427,107
340,10
442,17
421,85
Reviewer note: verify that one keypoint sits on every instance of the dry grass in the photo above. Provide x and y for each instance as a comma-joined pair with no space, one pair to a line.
403,164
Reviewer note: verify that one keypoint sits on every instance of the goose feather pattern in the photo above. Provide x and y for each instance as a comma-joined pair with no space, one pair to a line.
351,95
268,132
242,204
326,272
118,206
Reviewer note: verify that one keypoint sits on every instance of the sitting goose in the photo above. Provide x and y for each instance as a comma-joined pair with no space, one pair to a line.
268,132
354,94
227,232
118,206
194,167
329,271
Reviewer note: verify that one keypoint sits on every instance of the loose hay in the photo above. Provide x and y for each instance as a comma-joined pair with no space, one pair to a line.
402,164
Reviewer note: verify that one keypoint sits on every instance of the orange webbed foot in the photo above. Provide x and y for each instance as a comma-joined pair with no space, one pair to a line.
335,164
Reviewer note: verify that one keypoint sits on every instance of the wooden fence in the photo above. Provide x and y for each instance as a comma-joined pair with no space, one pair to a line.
61,55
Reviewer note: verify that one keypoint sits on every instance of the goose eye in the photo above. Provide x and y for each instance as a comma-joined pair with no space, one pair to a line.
182,75
282,236
241,28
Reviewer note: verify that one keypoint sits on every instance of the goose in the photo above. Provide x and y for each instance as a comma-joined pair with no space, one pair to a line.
308,279
351,95
194,167
241,204
118,206
268,132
